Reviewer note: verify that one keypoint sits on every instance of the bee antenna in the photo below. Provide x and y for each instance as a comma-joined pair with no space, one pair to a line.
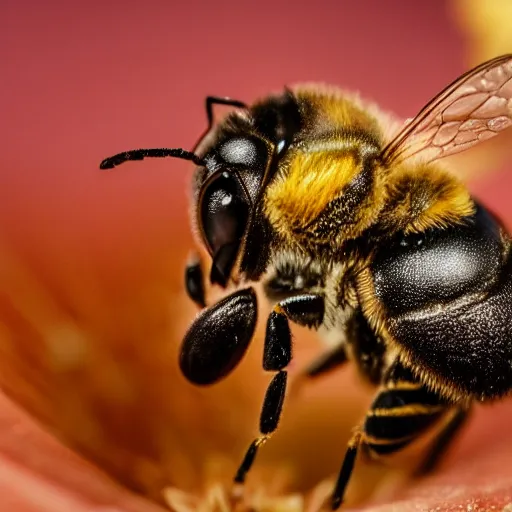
140,154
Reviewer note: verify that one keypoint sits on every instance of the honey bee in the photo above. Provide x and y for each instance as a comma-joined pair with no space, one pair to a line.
364,237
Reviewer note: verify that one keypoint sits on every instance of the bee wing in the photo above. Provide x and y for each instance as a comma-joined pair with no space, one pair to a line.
475,107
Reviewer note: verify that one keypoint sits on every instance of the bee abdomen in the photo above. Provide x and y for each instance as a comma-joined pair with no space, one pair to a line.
447,301
438,266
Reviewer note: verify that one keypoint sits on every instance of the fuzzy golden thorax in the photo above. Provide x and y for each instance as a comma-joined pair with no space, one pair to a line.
421,197
332,185
326,192
324,195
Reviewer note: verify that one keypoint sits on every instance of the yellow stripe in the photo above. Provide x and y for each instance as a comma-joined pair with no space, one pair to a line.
407,410
403,384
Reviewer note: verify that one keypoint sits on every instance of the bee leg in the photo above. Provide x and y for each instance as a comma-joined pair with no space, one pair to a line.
277,353
456,422
194,282
346,470
401,411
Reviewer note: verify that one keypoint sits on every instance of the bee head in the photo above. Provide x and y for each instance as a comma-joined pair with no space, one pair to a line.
235,158
232,179
240,156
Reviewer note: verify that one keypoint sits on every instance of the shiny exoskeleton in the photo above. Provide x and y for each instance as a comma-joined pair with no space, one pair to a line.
363,237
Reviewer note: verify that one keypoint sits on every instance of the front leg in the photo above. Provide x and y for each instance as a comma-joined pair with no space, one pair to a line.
306,310
194,281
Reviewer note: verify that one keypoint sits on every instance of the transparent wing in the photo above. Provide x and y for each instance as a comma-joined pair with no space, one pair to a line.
476,107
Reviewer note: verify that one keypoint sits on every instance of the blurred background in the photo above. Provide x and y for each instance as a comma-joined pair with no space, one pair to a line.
92,307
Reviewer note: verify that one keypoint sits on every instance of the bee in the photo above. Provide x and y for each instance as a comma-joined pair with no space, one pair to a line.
363,236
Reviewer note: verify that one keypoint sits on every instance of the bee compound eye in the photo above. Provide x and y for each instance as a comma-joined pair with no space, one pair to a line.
224,215
218,338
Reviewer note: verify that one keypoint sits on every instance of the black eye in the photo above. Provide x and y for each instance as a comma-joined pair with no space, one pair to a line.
224,214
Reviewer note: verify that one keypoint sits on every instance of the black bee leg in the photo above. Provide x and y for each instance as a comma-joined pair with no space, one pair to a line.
456,422
194,282
346,470
269,419
402,410
277,353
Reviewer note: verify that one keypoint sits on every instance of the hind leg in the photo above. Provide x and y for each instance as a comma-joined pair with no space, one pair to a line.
401,411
